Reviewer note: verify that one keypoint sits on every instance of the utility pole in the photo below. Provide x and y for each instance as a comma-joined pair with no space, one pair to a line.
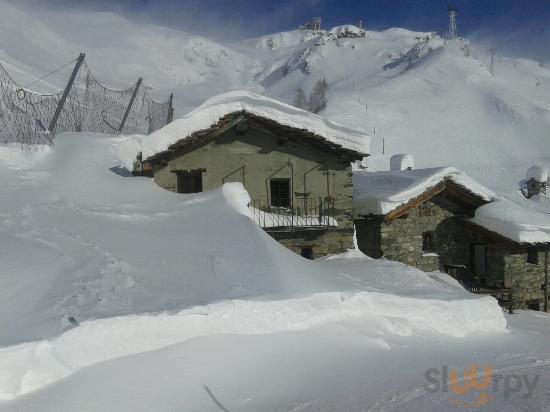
66,92
138,84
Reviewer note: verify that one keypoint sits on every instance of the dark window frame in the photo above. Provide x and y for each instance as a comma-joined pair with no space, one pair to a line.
280,192
189,181
532,256
429,242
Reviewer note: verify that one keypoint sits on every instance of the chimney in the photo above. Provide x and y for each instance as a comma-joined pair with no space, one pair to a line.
401,162
536,181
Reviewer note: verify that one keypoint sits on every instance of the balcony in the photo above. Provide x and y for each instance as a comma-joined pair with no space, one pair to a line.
297,214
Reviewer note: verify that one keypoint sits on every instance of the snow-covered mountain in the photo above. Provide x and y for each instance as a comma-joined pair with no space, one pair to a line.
413,91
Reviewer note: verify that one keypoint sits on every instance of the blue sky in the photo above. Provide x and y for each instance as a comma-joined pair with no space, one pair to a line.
253,17
519,26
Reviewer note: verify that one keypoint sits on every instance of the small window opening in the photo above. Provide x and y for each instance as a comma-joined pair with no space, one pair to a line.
428,242
307,252
189,182
280,192
533,256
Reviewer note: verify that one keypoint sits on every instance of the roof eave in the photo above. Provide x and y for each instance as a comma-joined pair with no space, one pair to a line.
220,127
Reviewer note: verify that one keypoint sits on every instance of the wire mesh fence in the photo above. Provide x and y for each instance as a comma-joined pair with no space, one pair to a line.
29,119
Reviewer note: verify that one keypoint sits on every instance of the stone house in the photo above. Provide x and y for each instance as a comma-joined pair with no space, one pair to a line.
440,219
295,165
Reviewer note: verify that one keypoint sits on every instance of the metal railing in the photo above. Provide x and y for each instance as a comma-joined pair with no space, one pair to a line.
478,284
462,274
293,213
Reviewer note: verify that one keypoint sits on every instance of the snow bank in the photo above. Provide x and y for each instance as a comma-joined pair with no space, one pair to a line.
81,238
217,107
30,366
379,193
521,220
20,158
237,197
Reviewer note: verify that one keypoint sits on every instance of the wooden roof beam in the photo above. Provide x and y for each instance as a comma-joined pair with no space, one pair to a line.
424,197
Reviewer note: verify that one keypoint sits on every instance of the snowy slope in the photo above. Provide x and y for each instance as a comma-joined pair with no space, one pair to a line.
439,102
435,100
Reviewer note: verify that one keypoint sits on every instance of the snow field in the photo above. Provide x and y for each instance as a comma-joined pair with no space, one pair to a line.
30,366
140,268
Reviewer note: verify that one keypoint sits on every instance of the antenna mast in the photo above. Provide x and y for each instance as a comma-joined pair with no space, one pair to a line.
452,12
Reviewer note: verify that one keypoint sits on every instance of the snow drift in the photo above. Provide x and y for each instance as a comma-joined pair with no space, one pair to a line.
85,243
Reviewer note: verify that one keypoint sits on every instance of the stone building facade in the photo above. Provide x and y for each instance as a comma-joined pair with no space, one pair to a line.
436,234
300,184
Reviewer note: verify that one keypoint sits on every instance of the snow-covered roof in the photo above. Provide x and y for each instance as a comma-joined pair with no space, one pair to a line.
521,220
381,192
210,112
524,221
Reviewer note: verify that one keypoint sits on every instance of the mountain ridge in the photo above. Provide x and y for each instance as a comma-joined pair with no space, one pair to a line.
439,100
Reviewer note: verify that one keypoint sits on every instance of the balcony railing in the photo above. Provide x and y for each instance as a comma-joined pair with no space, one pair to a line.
478,284
471,282
301,213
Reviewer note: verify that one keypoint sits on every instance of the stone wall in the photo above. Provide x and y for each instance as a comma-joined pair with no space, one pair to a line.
524,278
401,240
322,242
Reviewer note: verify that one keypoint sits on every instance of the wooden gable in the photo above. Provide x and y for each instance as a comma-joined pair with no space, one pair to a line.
447,188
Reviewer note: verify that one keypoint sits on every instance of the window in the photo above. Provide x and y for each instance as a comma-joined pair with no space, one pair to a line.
533,256
307,252
534,305
428,242
189,181
280,192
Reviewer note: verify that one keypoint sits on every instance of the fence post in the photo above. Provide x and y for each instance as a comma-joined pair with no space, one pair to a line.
170,116
138,84
61,103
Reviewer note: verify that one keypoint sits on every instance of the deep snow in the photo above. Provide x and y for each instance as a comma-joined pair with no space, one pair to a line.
140,268
117,295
